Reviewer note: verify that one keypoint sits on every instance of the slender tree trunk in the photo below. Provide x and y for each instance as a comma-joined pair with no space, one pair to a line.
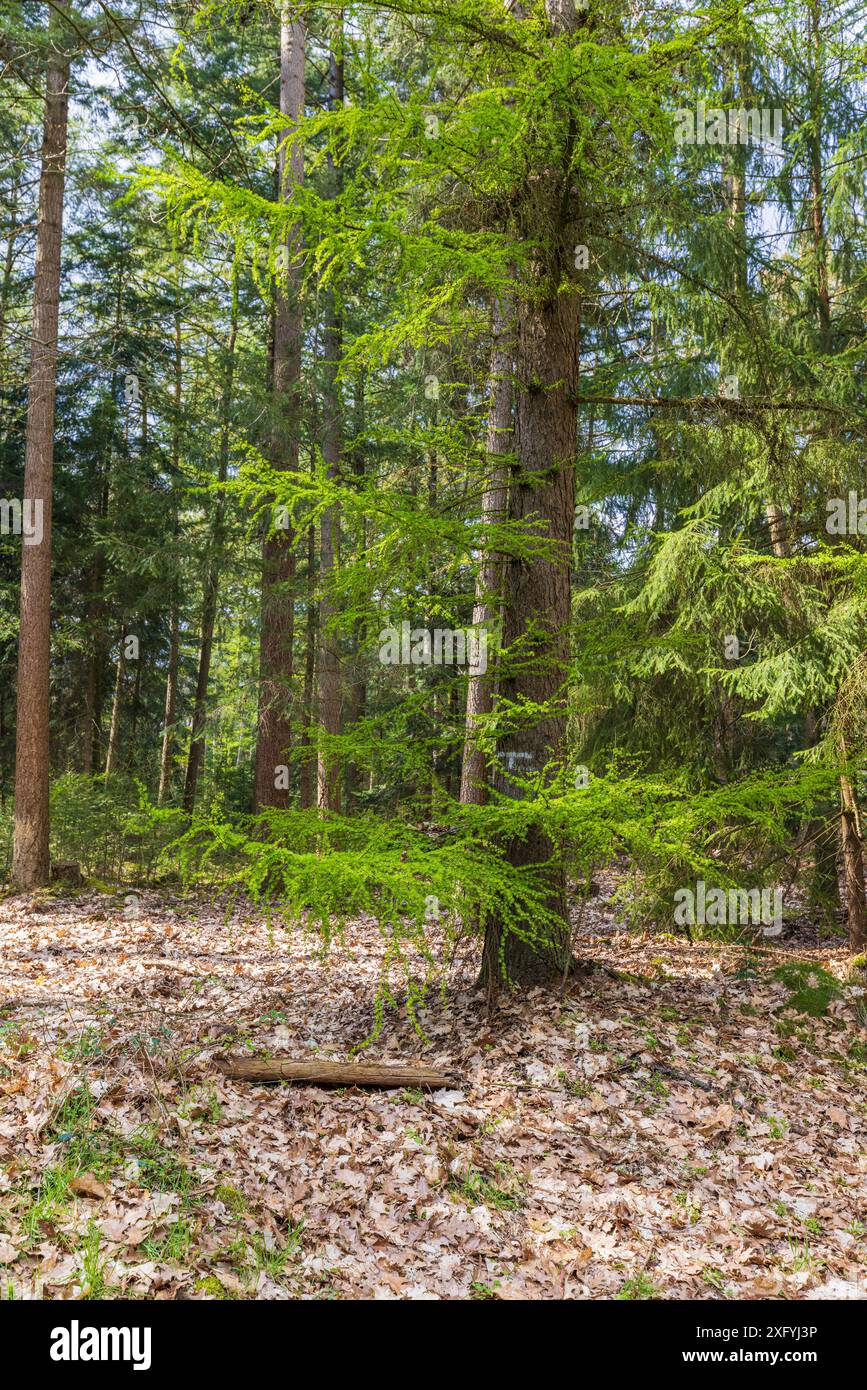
135,702
170,712
358,686
488,604
30,842
817,180
114,728
212,580
168,746
88,734
307,764
91,718
278,550
330,697
853,865
12,235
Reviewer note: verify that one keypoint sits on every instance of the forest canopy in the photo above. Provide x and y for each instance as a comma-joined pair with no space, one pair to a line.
456,460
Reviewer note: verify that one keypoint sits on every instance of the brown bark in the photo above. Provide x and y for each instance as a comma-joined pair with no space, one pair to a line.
853,866
488,604
851,837
358,684
307,763
326,1073
307,755
330,713
817,190
278,549
537,594
852,846
30,842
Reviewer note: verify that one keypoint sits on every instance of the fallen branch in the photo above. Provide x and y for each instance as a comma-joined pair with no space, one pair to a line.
324,1073
182,967
662,1069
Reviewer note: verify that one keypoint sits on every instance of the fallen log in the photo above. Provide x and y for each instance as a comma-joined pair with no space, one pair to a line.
324,1073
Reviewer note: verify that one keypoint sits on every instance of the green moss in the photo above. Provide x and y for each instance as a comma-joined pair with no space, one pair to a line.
812,988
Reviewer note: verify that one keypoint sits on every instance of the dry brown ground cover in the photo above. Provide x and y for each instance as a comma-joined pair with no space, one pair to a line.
670,1126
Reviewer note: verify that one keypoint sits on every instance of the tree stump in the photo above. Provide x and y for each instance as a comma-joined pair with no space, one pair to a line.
66,871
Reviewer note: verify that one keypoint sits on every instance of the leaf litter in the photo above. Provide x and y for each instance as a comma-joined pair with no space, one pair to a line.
670,1125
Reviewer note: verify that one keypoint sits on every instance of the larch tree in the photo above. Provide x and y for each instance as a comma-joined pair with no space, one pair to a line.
329,665
277,628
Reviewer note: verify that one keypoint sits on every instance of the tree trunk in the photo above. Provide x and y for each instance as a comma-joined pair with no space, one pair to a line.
278,552
168,747
488,604
851,838
167,753
307,757
537,593
212,580
135,702
307,762
14,231
537,607
817,189
30,842
330,700
358,684
114,729
853,866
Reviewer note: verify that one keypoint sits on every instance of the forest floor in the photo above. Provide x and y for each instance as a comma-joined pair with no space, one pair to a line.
671,1125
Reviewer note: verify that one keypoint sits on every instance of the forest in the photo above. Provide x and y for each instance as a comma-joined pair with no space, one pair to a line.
433,650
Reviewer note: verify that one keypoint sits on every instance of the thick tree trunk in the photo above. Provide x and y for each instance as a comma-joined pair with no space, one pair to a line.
537,594
537,608
851,837
278,550
488,604
330,697
30,842
212,580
